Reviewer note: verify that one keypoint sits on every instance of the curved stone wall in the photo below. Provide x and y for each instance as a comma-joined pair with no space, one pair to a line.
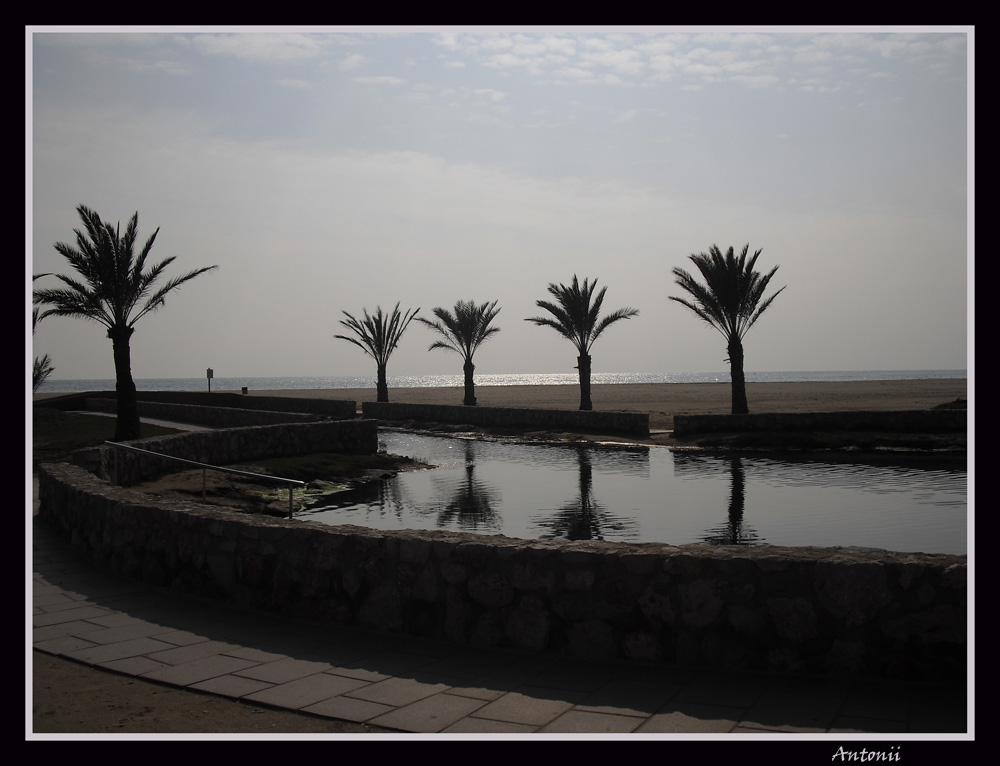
817,610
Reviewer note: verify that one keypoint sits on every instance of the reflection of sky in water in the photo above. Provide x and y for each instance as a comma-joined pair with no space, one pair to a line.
655,495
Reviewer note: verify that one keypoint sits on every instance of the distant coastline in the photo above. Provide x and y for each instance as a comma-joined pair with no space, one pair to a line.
503,379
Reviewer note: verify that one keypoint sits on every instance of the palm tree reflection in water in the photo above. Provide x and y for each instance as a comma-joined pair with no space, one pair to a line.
584,518
472,501
734,531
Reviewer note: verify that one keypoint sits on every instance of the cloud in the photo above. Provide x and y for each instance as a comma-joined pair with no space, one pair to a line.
756,81
380,80
352,62
263,46
492,95
295,84
754,60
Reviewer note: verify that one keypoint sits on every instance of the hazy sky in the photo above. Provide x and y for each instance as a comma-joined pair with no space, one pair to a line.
332,169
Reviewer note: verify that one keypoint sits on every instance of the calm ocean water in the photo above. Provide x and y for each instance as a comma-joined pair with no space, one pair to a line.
507,379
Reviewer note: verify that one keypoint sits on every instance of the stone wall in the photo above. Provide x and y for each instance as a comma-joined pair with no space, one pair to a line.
212,417
229,446
330,408
911,421
838,611
592,421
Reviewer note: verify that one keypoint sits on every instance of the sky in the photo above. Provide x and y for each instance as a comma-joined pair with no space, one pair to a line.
328,169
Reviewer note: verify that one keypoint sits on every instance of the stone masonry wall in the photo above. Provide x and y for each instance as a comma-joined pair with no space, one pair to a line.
213,417
825,610
594,421
228,446
330,408
911,421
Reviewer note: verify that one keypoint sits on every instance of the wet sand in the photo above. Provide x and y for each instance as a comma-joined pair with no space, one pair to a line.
663,400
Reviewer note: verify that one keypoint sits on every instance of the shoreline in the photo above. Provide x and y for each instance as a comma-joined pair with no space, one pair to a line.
663,400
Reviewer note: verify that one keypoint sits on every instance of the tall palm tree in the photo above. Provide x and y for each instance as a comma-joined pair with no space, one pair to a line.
575,316
731,301
117,291
463,332
378,336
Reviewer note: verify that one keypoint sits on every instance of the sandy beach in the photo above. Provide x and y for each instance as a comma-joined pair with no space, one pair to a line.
663,400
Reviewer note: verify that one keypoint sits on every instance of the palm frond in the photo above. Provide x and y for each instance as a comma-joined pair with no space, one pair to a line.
465,329
731,299
377,335
114,286
575,313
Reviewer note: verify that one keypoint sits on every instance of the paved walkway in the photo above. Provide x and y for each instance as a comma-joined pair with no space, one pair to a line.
421,686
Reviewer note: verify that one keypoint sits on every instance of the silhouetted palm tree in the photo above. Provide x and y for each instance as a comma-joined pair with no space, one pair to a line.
463,332
378,336
731,300
42,368
575,316
116,291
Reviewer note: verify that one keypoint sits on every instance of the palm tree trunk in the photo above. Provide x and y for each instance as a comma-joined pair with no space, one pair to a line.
381,386
470,385
583,364
739,381
127,424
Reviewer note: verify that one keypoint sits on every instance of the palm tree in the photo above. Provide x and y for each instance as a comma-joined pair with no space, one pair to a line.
40,372
463,332
730,301
575,316
377,336
42,367
115,291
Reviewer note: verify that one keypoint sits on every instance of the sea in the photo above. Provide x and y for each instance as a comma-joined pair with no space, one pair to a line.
502,379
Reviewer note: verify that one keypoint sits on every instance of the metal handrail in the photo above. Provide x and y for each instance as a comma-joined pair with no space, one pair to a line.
205,467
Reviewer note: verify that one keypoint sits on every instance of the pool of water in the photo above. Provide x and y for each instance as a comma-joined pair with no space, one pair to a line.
655,495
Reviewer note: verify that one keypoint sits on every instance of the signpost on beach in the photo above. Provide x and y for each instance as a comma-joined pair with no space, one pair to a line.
210,373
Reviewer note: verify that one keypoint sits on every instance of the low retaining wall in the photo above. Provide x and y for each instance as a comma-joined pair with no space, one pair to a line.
591,421
909,421
339,409
213,417
842,611
228,446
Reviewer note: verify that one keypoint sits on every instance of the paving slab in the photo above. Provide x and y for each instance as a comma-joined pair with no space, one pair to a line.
285,670
692,718
230,685
398,692
534,706
199,670
588,722
486,726
348,709
430,714
98,654
306,691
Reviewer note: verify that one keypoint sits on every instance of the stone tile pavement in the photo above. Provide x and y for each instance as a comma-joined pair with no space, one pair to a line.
425,687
